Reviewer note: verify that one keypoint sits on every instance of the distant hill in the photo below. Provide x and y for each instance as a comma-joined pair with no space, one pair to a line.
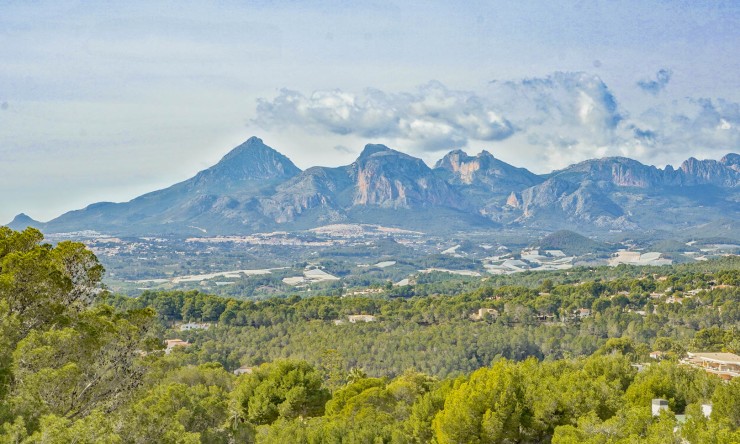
671,246
719,231
222,199
572,244
23,221
255,188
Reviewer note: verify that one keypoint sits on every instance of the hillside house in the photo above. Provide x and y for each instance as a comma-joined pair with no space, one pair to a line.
658,405
172,343
483,312
548,317
724,365
194,326
583,313
361,318
244,369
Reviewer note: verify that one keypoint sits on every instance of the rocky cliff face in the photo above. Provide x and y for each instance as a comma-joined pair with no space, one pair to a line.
612,192
462,166
725,173
316,188
391,179
731,161
614,171
484,171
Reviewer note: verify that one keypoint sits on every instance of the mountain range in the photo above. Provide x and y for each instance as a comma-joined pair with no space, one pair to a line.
255,188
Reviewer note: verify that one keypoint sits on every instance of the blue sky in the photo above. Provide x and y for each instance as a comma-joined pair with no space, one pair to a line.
105,100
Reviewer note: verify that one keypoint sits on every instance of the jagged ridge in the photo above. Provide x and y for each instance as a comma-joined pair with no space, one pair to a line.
254,187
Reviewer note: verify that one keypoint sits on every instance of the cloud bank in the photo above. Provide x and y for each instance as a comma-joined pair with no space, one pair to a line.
433,117
543,123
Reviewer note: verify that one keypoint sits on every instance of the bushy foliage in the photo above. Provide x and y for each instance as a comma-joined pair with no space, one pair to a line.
75,369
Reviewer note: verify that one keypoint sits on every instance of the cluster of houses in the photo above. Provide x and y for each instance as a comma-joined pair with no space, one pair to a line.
195,326
482,313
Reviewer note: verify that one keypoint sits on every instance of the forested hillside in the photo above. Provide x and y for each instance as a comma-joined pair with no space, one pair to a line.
542,359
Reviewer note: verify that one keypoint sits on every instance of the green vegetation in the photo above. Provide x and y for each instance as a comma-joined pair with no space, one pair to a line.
80,365
573,244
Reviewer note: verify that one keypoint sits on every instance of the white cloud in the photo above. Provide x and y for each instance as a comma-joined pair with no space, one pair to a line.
540,123
562,118
432,117
692,127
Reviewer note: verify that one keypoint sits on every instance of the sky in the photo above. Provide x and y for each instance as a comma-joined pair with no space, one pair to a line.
104,101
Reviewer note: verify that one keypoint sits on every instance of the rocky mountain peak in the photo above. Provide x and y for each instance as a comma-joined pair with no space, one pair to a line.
724,173
22,221
389,178
250,161
372,149
460,164
617,171
732,161
486,171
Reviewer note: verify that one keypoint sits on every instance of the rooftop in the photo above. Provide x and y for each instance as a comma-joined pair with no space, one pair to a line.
729,358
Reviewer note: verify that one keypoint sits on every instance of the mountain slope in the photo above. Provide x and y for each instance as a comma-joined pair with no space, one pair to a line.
219,199
23,221
624,194
382,184
484,172
255,188
572,244
390,179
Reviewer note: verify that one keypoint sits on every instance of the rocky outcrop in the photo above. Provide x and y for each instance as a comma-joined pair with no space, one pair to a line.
315,188
514,201
391,179
731,161
484,172
725,173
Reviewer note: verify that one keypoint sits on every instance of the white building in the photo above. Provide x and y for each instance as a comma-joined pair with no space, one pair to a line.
361,318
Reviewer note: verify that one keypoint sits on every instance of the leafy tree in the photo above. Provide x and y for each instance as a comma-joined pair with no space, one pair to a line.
488,407
726,402
71,371
282,389
64,356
